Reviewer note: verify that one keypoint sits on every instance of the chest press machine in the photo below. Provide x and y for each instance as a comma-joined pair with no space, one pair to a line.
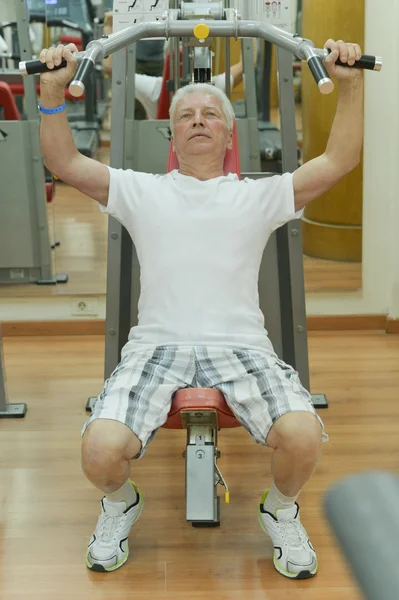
281,283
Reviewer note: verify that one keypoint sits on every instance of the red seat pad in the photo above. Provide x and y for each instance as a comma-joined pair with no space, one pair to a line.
201,399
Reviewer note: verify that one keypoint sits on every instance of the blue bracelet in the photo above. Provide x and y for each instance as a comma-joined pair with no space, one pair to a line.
52,111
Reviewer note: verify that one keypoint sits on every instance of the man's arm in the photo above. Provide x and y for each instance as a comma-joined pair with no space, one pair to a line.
344,145
59,151
237,70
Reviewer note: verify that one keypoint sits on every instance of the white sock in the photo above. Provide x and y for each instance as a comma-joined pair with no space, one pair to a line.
276,500
126,493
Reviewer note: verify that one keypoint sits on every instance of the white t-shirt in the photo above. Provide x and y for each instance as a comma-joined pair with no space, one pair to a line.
148,90
200,246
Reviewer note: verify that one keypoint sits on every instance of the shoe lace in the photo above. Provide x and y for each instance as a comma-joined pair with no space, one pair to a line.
109,527
292,533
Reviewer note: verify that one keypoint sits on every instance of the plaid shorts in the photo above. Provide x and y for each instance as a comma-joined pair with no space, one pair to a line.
258,387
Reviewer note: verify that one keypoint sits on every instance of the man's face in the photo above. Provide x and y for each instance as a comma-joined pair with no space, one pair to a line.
200,127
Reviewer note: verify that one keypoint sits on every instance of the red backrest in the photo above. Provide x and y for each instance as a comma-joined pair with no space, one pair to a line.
18,89
72,39
231,161
11,112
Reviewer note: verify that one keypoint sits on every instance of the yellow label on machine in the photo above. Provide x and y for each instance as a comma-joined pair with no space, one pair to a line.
227,497
201,31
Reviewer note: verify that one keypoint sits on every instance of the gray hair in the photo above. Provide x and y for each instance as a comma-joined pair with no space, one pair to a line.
204,88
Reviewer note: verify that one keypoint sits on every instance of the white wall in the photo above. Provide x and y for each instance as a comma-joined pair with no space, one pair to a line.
7,12
394,165
380,293
59,307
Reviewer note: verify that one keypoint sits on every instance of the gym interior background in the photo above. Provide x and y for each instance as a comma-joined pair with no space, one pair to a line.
53,338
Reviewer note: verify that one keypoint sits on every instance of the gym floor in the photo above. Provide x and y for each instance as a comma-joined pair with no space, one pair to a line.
49,510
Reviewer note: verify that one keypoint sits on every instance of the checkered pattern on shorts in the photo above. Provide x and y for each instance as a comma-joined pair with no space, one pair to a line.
258,387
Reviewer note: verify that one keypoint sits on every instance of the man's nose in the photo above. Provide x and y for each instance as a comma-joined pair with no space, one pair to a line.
198,118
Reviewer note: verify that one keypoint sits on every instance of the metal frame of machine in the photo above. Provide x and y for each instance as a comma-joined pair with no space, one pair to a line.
8,410
281,278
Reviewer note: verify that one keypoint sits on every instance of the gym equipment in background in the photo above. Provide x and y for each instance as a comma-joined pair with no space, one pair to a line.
25,247
7,410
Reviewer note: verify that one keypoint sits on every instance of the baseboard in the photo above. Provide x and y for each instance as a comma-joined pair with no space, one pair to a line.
347,322
97,326
392,325
42,328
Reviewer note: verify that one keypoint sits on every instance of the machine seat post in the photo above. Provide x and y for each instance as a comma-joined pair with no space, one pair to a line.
202,411
202,501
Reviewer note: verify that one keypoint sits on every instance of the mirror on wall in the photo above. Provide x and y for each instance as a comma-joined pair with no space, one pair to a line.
332,224
75,227
80,227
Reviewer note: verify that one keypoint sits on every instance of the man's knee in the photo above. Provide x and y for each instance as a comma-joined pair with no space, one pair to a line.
105,443
298,433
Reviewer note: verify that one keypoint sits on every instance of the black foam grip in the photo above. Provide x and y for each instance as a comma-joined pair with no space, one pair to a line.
366,62
35,66
85,69
318,69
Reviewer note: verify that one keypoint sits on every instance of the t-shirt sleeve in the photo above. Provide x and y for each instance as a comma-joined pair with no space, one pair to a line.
144,86
276,199
148,91
220,81
127,189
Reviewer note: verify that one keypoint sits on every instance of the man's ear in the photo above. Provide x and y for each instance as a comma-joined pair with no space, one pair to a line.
230,142
173,144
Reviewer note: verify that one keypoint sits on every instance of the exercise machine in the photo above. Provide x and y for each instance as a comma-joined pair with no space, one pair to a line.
8,410
25,249
100,7
84,115
85,122
281,281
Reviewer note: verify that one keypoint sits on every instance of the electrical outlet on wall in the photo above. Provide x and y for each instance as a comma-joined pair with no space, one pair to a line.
83,306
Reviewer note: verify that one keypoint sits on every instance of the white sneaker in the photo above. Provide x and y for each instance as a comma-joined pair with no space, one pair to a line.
109,548
294,555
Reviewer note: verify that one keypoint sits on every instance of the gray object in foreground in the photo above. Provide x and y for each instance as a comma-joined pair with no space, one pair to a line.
363,513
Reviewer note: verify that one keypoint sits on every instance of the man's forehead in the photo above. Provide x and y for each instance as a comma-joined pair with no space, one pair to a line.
195,100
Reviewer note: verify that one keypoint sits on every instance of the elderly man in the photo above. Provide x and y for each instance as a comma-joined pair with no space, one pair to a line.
199,237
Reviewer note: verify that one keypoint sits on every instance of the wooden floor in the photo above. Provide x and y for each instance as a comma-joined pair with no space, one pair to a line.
49,510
